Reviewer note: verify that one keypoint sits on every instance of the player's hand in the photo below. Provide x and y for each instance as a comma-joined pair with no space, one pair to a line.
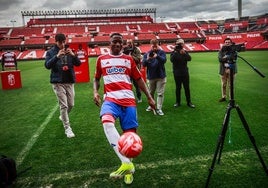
97,99
151,102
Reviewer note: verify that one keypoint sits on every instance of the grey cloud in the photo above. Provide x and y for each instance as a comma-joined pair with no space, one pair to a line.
6,4
170,9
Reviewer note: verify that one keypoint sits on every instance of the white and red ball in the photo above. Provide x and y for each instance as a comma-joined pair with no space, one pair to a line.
130,144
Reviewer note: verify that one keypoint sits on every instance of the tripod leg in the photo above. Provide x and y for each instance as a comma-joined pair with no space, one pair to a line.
251,137
219,146
225,121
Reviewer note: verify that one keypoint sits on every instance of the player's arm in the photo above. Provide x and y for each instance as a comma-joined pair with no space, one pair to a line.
145,90
96,86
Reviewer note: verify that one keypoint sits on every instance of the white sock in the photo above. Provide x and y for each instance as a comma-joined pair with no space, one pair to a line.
113,136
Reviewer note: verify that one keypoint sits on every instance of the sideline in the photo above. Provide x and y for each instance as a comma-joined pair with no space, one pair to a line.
32,141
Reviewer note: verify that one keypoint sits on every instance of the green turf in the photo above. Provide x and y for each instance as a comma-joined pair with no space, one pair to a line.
178,147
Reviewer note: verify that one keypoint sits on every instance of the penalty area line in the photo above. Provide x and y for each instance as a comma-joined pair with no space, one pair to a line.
35,136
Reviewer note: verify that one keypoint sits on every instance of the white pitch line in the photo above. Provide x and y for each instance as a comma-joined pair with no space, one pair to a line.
144,166
31,142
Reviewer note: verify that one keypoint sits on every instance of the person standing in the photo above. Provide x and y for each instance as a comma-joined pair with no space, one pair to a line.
60,59
179,59
117,70
155,60
135,53
227,59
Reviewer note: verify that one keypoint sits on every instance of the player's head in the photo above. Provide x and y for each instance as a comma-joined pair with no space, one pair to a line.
116,43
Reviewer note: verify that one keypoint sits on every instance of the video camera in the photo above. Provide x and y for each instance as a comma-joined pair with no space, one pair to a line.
234,48
231,51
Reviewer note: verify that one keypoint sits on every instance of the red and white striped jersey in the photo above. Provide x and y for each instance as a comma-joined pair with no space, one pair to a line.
9,58
82,55
117,72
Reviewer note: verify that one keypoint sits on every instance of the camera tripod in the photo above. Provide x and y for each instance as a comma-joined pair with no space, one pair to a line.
222,135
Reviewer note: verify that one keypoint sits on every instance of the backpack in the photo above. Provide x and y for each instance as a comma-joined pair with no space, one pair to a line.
8,171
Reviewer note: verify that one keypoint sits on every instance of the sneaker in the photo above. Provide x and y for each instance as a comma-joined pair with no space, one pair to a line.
191,105
139,100
125,168
148,109
160,112
176,105
128,178
60,118
69,133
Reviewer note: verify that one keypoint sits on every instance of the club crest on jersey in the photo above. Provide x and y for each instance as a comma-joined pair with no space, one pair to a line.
116,70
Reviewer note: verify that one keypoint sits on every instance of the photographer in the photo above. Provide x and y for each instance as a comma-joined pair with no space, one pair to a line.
155,60
61,60
179,58
227,58
135,53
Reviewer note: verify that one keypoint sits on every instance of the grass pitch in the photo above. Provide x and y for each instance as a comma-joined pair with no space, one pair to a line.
178,147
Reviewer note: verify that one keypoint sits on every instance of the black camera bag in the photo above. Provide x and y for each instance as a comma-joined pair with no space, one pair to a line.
8,171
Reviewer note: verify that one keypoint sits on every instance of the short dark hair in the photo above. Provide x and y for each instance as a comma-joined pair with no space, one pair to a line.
228,39
60,37
116,34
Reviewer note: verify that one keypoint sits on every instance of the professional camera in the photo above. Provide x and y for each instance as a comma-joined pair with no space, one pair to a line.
151,54
234,48
128,50
178,47
231,51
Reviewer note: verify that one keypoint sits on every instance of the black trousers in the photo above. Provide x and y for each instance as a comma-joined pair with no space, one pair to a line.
185,81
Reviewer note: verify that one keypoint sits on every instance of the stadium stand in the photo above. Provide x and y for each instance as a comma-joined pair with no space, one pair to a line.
32,40
188,26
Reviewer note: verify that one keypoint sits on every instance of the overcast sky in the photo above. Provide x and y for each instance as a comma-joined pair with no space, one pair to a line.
169,10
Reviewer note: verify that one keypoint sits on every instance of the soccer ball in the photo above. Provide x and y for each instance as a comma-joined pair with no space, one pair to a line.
130,144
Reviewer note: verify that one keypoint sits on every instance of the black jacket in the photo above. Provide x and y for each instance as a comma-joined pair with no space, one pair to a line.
58,75
179,62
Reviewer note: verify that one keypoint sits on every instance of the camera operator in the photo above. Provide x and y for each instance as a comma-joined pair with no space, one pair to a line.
179,58
135,53
61,60
155,60
227,58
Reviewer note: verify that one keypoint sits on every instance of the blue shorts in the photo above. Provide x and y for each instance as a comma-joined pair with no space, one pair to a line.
126,115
